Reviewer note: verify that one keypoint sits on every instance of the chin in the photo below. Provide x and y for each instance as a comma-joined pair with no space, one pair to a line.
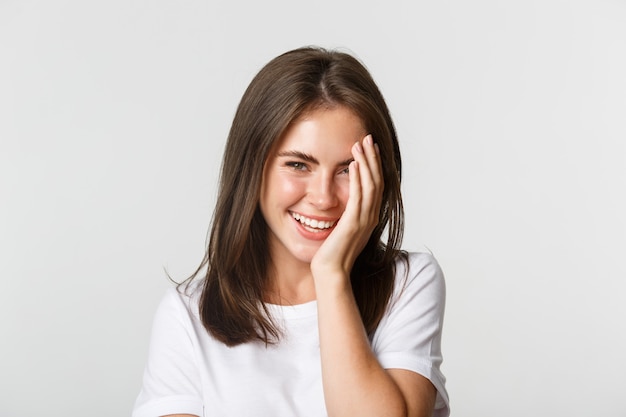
305,254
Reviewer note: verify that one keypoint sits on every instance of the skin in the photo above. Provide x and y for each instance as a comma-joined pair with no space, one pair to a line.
327,167
308,174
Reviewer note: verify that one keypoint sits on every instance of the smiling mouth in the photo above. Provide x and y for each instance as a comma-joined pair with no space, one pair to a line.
313,224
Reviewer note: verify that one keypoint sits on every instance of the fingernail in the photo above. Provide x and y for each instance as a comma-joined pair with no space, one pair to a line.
368,139
358,147
377,148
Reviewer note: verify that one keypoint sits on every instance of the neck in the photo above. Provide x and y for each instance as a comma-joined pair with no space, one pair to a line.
290,282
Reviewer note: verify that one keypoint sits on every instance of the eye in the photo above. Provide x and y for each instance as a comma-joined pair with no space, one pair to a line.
345,171
296,166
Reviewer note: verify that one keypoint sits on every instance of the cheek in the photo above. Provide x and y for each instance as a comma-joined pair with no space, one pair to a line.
343,192
288,189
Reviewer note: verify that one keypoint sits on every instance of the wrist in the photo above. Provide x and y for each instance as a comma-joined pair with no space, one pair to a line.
331,282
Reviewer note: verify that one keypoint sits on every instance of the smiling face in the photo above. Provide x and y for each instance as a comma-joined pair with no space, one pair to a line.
305,182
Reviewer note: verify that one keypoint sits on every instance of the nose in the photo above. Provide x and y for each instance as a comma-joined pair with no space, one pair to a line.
322,192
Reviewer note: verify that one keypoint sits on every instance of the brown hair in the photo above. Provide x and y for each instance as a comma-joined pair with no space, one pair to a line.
237,257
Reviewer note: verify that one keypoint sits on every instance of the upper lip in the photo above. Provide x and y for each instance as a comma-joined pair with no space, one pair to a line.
318,218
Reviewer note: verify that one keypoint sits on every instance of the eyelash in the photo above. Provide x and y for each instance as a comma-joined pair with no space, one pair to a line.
301,166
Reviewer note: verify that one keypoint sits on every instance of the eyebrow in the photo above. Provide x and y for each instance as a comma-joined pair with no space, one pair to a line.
309,158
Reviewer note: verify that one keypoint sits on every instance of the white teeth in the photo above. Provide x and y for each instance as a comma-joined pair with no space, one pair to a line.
315,224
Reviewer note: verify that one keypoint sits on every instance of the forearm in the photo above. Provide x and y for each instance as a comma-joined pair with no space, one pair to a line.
354,382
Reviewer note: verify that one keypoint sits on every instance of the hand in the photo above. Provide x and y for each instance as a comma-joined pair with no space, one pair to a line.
339,251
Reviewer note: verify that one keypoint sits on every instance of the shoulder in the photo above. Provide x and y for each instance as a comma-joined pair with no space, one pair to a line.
419,271
180,303
419,289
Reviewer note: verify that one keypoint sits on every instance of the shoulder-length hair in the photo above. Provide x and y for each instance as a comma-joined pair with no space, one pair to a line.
237,257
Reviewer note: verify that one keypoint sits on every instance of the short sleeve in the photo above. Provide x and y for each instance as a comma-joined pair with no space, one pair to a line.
171,381
409,335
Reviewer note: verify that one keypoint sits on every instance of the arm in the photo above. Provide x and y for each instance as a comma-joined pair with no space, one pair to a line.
354,381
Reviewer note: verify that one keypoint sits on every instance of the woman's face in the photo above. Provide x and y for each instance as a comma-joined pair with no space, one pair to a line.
305,182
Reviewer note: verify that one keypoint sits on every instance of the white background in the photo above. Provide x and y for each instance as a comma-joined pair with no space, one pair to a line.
512,122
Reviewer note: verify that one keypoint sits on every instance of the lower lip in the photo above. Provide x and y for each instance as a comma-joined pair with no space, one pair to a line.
321,235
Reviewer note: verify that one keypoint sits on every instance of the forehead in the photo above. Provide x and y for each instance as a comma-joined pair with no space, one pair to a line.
324,127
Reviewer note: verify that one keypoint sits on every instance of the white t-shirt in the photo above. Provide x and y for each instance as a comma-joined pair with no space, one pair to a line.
189,372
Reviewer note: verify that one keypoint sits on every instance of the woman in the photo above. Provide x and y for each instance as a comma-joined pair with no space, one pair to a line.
302,309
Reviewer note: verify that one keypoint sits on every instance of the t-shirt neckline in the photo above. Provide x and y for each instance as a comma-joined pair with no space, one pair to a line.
296,311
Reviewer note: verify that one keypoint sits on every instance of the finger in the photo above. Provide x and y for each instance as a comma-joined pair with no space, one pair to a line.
365,182
359,154
372,154
354,196
369,173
